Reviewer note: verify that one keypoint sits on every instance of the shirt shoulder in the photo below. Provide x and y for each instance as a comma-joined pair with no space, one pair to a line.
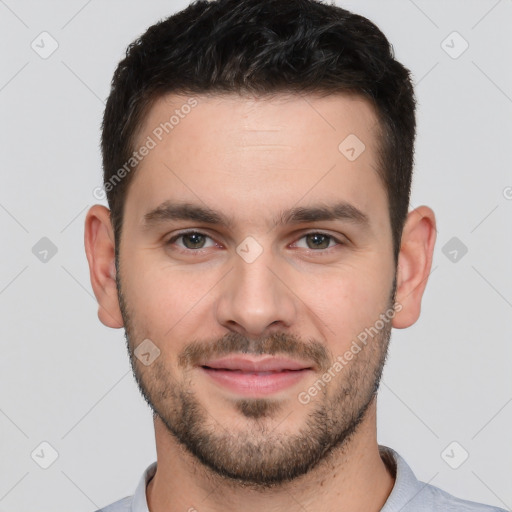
412,495
123,505
433,498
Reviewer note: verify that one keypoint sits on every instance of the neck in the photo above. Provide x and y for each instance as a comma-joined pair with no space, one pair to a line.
352,477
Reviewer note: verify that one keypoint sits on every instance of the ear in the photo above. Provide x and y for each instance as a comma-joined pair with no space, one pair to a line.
100,250
414,263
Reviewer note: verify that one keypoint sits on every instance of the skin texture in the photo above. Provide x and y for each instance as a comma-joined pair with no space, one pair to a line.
304,297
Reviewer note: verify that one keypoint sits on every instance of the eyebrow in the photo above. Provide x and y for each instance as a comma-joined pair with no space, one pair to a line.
170,211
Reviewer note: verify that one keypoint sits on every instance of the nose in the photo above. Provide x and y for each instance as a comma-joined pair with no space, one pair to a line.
255,298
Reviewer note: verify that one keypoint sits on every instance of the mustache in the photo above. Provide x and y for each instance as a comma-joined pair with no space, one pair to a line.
232,343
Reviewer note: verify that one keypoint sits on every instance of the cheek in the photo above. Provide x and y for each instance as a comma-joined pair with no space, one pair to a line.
164,296
348,301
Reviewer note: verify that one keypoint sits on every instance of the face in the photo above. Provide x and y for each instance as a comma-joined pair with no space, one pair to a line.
250,232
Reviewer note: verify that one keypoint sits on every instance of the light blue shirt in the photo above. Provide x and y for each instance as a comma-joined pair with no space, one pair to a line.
408,494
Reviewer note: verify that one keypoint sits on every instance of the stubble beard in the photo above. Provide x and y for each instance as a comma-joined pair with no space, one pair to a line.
256,455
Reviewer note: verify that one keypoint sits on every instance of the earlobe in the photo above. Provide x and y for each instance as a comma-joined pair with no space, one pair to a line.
100,250
414,263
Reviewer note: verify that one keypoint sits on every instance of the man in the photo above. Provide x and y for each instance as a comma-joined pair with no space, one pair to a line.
258,250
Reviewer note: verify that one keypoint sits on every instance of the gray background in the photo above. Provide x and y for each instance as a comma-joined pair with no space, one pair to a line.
65,378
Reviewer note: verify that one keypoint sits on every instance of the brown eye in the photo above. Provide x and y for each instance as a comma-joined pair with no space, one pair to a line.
193,240
318,241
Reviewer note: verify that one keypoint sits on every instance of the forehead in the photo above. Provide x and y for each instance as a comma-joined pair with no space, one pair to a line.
253,120
231,151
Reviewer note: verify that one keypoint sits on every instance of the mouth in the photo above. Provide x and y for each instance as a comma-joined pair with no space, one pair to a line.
255,377
251,372
258,365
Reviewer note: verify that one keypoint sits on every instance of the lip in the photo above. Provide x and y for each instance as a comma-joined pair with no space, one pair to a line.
255,377
262,364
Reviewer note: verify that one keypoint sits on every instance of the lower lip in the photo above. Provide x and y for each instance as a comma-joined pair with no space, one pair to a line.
256,383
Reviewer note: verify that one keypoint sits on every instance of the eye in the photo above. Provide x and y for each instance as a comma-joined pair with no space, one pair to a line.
192,240
317,241
196,241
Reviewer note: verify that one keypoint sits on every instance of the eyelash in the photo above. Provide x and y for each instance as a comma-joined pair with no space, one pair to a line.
199,251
